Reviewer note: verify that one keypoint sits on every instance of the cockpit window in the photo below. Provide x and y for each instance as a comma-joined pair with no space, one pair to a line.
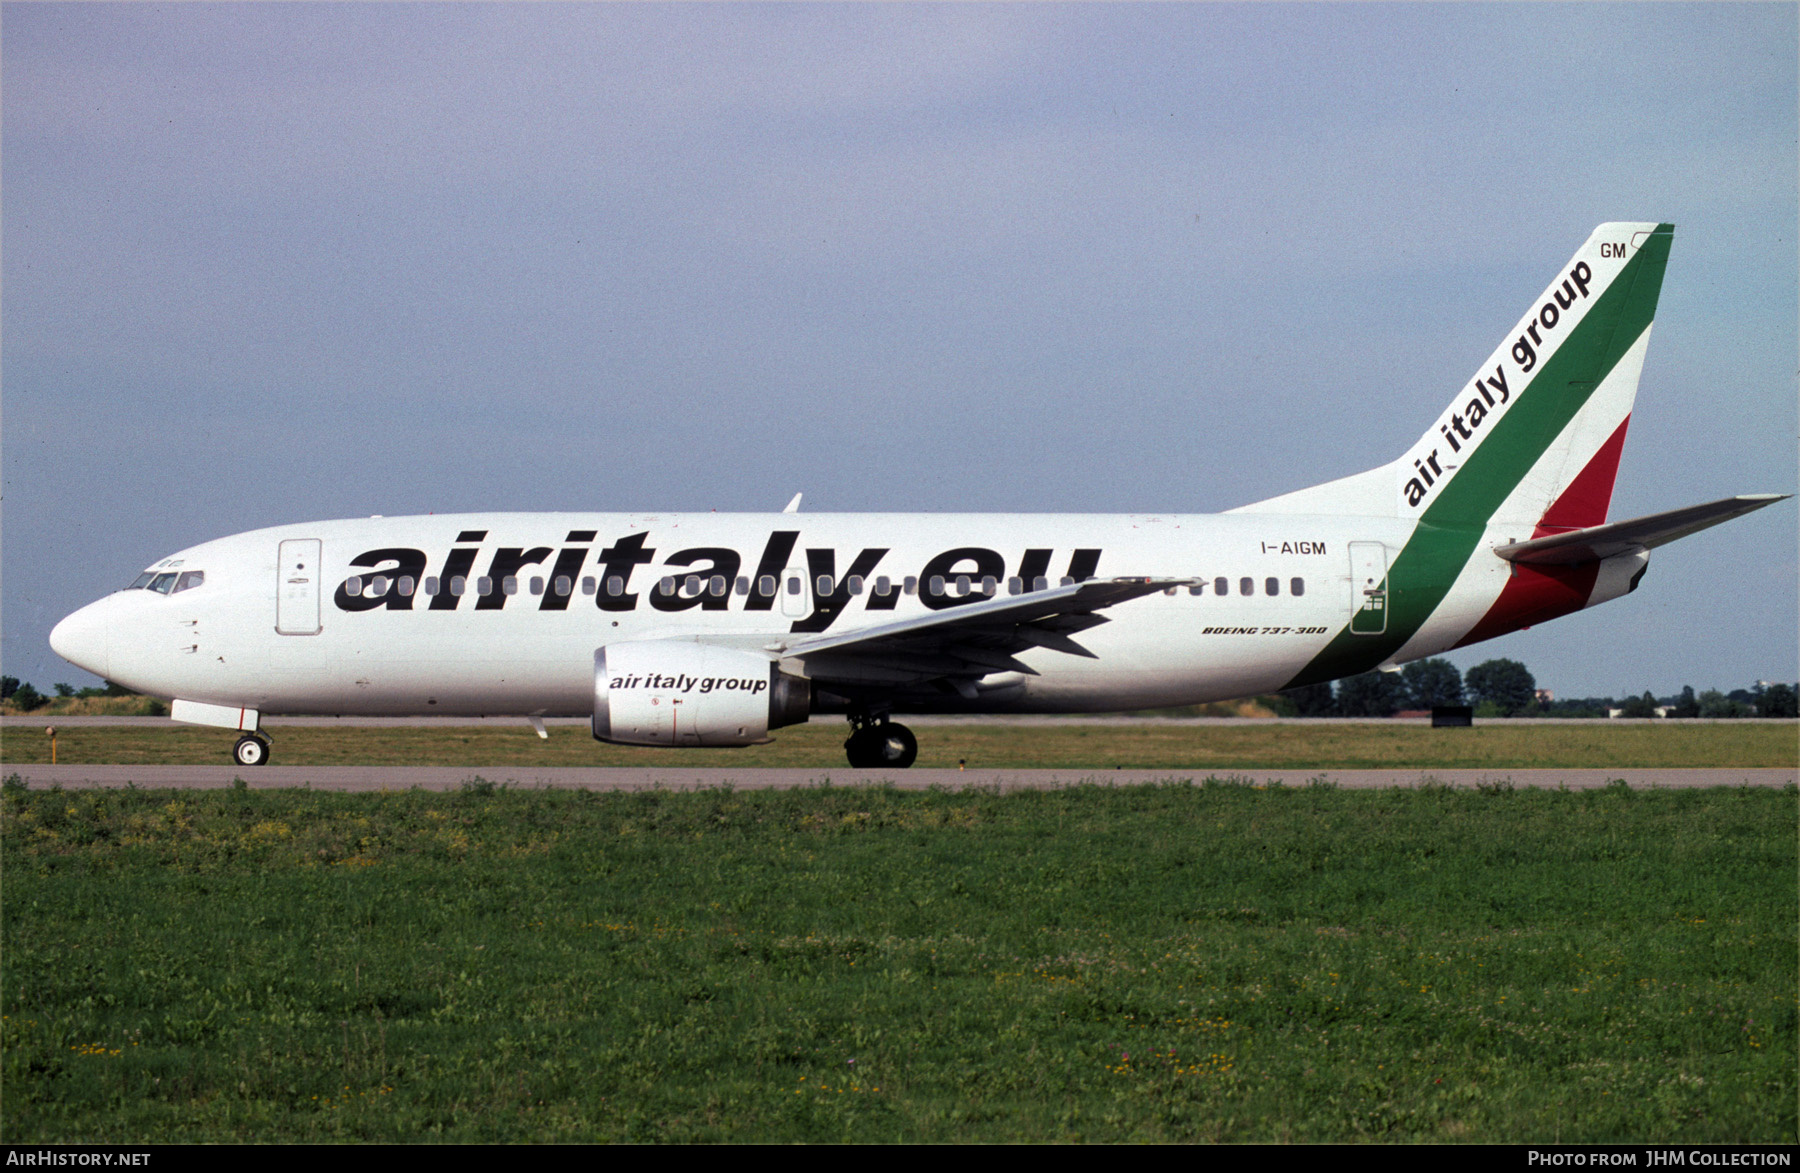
168,582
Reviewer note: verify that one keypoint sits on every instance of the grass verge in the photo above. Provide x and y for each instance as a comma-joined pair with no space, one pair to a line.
1149,745
1213,963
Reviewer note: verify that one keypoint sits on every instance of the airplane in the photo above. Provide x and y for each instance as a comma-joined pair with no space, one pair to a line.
714,629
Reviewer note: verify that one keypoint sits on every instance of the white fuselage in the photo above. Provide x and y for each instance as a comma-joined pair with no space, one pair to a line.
532,653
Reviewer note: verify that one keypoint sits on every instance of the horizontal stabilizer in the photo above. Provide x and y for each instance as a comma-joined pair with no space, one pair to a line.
1640,533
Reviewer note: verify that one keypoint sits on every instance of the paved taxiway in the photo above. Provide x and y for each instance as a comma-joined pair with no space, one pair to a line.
27,721
374,778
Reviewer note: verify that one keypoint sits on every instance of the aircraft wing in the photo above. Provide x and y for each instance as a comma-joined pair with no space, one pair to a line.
1639,533
966,642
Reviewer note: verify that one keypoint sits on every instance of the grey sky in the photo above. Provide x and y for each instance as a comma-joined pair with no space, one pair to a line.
276,263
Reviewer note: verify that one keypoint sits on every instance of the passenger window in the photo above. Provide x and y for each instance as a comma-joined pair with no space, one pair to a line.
1221,586
690,586
1296,587
1014,585
188,581
988,585
823,584
406,586
884,585
1246,586
510,584
765,585
717,586
564,587
743,584
910,585
588,584
855,583
667,585
615,585
1195,588
431,585
458,584
794,586
352,585
1067,581
937,585
1272,586
378,586
537,584
962,584
484,586
1040,583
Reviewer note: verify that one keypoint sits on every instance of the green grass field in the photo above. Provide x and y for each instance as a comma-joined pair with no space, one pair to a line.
1176,963
1149,745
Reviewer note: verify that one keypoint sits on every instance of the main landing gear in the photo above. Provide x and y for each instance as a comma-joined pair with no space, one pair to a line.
877,743
251,750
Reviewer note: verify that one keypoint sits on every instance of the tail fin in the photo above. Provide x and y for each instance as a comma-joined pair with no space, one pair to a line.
1535,436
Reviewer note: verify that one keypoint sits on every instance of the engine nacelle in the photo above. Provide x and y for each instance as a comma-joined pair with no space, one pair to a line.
676,692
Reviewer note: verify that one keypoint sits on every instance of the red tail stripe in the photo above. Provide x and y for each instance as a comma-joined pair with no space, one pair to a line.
1585,501
1535,594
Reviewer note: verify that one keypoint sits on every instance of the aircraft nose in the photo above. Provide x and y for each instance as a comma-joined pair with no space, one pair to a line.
81,639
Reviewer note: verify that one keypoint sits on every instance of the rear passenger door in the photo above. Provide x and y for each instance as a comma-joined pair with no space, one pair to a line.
1368,588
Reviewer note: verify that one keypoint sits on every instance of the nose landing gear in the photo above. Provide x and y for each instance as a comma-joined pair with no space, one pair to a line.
251,750
877,743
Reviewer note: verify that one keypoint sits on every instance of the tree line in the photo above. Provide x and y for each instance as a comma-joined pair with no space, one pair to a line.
21,697
1506,688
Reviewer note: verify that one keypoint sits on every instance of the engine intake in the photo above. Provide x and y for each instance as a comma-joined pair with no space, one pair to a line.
677,692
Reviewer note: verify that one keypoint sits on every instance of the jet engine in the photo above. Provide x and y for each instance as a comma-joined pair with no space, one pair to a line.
678,692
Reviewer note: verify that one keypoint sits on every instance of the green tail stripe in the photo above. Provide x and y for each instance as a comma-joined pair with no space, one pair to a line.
1451,526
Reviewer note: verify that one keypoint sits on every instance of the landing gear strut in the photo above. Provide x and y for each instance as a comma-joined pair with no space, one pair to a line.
877,743
251,750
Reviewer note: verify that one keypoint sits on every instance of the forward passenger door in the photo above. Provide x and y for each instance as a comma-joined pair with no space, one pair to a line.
297,588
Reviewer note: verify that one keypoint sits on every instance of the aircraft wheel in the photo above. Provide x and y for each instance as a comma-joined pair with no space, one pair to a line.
856,749
898,747
887,746
251,750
